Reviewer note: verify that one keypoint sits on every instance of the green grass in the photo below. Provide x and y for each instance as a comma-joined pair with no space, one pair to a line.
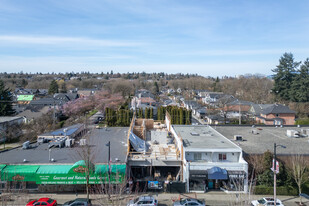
92,112
5,148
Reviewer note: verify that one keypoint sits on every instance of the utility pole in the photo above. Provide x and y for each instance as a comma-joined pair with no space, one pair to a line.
275,175
239,113
109,169
275,170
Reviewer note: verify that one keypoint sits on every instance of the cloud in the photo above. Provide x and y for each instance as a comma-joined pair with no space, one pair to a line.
56,40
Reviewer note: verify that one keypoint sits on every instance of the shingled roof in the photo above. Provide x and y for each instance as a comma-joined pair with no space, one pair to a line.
277,109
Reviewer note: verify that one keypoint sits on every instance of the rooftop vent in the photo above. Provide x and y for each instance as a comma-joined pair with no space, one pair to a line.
238,137
195,134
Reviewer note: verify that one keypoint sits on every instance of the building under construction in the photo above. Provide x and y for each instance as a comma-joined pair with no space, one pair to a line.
154,156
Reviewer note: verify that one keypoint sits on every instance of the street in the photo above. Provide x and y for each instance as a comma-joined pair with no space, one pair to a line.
164,199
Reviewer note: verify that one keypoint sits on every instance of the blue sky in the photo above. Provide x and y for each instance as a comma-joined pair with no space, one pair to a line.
210,38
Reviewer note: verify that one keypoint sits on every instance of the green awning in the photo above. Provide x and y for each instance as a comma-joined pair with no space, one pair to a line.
54,169
115,168
19,172
2,166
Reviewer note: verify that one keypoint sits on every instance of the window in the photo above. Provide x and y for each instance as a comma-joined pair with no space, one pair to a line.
222,157
197,156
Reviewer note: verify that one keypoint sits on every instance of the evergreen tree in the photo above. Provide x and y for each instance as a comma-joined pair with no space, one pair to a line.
146,113
284,75
151,113
6,99
159,114
300,86
53,87
181,116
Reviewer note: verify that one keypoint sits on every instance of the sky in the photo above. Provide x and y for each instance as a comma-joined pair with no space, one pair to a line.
205,37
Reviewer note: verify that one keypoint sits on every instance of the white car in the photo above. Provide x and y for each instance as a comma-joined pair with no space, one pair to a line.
189,202
143,201
266,201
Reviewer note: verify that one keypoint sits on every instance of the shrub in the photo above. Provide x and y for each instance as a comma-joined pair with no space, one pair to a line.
283,190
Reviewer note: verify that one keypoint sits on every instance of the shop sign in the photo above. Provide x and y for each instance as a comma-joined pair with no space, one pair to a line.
75,179
198,176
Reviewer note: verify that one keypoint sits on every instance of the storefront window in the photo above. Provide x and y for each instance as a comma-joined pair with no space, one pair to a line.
222,157
197,156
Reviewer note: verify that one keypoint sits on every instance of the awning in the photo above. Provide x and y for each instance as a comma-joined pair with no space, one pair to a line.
19,172
115,168
216,173
2,166
54,169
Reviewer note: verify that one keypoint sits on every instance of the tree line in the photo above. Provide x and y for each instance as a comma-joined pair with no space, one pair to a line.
178,115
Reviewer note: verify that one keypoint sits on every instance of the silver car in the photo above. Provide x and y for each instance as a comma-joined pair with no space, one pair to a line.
78,202
189,201
143,201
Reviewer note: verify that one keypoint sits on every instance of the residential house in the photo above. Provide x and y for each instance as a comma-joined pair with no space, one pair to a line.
201,112
143,98
216,119
86,92
217,99
272,114
236,108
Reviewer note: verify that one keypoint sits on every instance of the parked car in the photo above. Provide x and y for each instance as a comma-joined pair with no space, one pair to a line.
46,201
143,201
78,201
189,201
266,201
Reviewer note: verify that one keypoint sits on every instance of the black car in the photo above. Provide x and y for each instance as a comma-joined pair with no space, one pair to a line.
78,202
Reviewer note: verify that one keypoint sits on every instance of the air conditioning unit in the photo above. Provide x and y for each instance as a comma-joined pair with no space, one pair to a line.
82,142
292,133
238,137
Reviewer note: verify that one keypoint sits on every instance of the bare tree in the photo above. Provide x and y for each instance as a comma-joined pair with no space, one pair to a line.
298,165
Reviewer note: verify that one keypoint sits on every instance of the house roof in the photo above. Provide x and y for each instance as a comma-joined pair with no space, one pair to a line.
32,114
258,108
8,119
25,97
277,109
240,102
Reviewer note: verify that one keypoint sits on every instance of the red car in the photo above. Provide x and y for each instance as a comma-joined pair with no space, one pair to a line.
43,201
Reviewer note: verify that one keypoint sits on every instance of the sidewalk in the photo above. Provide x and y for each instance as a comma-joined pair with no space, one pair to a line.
165,199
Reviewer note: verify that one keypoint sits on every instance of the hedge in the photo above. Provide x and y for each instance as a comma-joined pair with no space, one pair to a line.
264,190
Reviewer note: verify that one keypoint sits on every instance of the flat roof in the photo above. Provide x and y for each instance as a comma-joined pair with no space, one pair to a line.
203,137
39,154
61,132
260,143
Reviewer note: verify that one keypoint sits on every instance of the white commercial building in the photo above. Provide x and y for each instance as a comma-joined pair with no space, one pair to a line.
210,160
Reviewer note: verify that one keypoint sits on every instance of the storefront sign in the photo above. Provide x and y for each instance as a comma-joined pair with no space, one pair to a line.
77,179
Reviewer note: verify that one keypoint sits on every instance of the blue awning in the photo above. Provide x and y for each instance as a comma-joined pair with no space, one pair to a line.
216,173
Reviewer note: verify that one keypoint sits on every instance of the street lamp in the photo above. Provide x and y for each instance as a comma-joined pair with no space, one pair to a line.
49,154
109,168
274,170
